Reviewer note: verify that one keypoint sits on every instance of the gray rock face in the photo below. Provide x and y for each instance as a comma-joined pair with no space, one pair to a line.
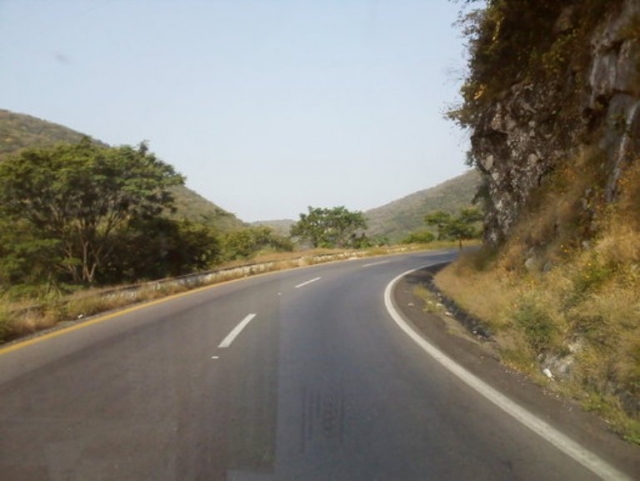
522,137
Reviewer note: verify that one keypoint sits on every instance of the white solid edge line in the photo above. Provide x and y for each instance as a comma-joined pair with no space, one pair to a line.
565,444
308,282
226,342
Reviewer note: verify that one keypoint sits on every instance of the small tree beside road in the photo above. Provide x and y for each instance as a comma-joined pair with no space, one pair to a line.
461,227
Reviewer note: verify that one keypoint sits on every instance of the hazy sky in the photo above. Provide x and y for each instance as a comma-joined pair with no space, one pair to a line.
266,106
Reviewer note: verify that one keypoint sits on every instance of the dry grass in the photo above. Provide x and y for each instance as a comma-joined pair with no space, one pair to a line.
568,306
478,293
29,319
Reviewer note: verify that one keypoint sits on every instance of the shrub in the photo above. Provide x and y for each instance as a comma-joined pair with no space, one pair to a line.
539,329
420,237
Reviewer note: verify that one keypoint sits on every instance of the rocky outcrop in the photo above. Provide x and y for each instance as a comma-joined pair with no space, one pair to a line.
533,127
614,83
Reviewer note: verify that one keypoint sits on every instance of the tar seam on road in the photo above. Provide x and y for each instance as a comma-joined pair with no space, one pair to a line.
226,342
308,282
565,444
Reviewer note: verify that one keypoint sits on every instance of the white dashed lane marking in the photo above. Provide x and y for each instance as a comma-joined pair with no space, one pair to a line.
226,342
308,282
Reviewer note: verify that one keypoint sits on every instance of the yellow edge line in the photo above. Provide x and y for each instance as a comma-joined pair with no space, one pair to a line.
127,310
120,312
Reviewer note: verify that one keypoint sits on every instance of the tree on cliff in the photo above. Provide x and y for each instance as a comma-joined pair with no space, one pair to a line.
523,41
77,197
328,228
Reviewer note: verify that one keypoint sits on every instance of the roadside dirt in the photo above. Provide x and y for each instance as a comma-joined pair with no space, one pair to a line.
472,348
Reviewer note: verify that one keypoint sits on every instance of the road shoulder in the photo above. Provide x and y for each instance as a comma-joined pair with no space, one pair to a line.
479,355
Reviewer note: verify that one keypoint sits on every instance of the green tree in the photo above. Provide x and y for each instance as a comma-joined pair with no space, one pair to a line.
81,195
244,243
238,244
159,247
327,228
440,220
26,258
460,227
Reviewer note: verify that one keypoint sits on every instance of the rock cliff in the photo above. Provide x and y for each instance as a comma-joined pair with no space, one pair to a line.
552,100
579,90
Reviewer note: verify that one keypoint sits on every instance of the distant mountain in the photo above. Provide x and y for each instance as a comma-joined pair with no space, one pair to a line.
400,217
279,226
397,219
20,131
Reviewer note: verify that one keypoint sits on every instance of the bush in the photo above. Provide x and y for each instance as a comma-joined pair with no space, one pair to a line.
246,243
420,237
538,327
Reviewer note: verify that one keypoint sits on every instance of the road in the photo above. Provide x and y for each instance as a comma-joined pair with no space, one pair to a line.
296,375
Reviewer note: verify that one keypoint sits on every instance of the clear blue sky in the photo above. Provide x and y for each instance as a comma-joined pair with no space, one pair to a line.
266,106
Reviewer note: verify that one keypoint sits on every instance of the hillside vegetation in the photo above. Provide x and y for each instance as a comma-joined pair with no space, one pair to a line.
399,218
552,99
279,226
20,131
78,216
76,213
396,220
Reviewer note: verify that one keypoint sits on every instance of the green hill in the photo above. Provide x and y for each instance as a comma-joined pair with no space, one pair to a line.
397,219
400,217
20,131
279,226
193,206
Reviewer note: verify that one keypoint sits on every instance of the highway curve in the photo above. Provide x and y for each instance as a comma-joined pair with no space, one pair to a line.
296,375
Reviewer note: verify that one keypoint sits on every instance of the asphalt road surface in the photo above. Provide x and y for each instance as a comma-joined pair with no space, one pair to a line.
296,375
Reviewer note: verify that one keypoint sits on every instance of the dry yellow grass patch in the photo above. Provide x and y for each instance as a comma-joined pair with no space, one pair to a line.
549,297
479,291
